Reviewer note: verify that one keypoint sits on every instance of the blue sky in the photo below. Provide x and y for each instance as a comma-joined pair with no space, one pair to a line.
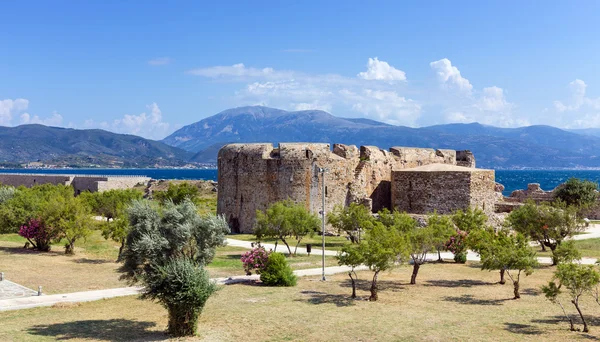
149,68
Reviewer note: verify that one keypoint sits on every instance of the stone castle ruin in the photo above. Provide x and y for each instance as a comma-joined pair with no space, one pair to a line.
252,176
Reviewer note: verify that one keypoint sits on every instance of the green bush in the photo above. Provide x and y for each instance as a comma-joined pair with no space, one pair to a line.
460,258
278,272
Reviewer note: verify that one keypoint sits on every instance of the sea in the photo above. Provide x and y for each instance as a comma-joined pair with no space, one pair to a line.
511,179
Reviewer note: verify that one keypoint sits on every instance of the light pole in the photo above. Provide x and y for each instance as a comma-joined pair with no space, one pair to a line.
322,172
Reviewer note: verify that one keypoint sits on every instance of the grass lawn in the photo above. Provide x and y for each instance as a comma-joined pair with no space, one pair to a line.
450,302
331,242
93,266
589,248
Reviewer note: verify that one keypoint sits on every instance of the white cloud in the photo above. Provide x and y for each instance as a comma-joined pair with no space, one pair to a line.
54,120
315,105
580,111
578,100
381,71
239,71
493,100
386,106
148,125
9,107
160,61
450,76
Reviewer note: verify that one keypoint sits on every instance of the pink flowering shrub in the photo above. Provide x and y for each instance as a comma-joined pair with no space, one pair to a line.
38,234
458,246
255,260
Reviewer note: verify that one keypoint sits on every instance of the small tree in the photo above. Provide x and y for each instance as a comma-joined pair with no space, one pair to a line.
550,225
6,193
469,220
38,234
352,220
579,193
70,217
443,230
284,220
379,249
177,193
350,255
166,251
420,242
510,253
578,279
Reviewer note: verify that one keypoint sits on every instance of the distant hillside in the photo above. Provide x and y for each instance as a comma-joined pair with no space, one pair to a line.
526,147
65,146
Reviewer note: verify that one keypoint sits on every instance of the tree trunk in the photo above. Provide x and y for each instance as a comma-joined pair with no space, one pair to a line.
413,278
353,284
542,245
502,280
182,322
296,248
439,256
288,246
70,248
567,316
374,297
120,256
554,258
576,303
516,289
275,249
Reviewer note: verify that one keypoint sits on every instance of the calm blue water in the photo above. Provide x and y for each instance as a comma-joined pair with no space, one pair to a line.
511,179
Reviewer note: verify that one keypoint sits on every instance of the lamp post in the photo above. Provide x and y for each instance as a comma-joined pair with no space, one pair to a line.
322,172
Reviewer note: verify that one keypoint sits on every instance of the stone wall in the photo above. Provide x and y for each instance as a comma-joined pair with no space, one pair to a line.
443,188
252,176
80,183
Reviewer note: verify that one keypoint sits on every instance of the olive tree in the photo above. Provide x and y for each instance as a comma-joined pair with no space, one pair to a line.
166,251
511,253
576,192
285,220
70,218
352,220
442,229
577,279
548,224
177,193
350,255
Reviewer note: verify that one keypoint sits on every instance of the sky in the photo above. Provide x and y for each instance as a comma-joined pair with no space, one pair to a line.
150,67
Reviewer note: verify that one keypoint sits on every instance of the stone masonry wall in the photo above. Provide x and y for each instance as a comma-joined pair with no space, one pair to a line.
443,189
252,176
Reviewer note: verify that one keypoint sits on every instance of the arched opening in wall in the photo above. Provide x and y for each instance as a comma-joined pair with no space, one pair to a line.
34,181
235,225
381,197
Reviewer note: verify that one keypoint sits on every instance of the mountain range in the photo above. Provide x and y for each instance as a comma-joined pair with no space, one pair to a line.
94,147
494,147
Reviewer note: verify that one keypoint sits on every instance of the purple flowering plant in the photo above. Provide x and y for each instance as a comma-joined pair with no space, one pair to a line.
38,234
255,260
458,245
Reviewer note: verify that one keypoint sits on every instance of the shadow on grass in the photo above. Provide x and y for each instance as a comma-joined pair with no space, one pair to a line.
531,292
382,285
316,297
523,329
30,251
457,283
93,261
470,300
593,322
103,330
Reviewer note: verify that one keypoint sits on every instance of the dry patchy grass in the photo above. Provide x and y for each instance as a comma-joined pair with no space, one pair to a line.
450,302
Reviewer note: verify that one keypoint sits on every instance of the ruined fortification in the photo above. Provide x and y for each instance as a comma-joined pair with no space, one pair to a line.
80,183
251,176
